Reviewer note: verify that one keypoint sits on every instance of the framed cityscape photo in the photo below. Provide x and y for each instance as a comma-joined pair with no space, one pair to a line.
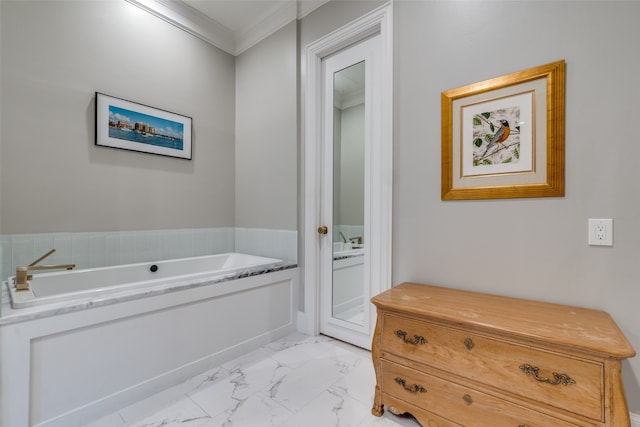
131,126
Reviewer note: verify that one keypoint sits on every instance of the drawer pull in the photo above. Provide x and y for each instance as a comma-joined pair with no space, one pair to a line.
467,399
417,339
523,425
469,344
415,388
558,378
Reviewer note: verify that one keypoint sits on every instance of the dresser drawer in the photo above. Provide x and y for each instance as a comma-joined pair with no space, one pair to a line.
463,405
565,382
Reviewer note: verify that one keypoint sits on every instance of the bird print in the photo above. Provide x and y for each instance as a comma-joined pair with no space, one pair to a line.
500,136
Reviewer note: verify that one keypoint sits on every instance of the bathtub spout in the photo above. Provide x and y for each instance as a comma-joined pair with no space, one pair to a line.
23,276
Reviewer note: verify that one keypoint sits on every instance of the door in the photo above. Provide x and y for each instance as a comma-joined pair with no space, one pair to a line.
347,186
349,105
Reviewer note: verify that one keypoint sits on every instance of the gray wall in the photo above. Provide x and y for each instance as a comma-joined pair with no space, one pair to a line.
533,248
266,133
55,55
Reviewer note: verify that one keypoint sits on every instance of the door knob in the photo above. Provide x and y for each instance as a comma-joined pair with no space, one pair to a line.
323,229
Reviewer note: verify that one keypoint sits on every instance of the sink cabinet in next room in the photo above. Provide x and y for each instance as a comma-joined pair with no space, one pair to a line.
457,358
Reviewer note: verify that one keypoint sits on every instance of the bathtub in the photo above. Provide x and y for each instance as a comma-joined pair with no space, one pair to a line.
47,288
90,342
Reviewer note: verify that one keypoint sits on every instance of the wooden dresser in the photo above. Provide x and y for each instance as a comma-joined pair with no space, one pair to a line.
456,358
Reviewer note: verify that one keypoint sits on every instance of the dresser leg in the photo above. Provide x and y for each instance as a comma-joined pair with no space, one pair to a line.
378,407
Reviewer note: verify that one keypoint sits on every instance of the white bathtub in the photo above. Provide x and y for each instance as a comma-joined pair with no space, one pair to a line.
76,354
47,288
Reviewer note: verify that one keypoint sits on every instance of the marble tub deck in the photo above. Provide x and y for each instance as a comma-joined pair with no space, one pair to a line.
298,381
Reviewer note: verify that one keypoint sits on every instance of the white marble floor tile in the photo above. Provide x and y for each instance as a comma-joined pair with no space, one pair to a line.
360,383
255,411
240,385
309,380
298,381
330,409
171,395
182,413
249,359
295,352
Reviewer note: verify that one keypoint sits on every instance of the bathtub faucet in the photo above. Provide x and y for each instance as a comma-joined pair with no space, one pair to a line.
22,273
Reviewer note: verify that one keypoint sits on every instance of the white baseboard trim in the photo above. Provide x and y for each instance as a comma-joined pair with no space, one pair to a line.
635,419
303,324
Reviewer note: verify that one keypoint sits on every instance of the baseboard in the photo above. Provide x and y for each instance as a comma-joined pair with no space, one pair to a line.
302,323
635,419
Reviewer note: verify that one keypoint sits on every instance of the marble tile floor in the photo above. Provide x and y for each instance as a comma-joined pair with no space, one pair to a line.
298,381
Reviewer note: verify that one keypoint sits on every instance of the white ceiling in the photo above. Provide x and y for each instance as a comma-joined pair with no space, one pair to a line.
231,25
237,15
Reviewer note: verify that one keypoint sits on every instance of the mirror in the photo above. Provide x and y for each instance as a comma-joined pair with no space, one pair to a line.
348,193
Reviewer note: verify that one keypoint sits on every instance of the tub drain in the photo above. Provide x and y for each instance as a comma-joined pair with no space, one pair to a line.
153,268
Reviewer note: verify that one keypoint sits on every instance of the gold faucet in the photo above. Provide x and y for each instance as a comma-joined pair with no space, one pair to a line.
22,273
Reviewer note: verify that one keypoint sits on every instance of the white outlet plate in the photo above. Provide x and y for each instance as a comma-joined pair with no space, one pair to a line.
600,232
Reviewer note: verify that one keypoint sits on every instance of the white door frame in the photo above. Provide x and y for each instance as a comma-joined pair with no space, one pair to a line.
377,21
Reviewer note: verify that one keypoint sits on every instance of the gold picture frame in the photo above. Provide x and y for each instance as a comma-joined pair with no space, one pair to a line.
504,137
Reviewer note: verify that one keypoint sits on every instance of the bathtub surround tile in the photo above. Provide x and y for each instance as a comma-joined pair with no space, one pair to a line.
292,382
113,248
281,244
99,249
148,246
212,240
177,244
80,249
23,250
42,243
63,244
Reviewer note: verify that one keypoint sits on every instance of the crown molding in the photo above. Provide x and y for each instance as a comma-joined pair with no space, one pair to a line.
278,17
305,7
190,20
194,22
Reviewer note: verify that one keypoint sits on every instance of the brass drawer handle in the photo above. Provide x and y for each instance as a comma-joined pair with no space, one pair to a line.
415,388
417,339
563,379
523,425
469,344
467,399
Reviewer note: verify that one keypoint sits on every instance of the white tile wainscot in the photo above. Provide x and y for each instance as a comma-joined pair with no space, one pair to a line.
71,367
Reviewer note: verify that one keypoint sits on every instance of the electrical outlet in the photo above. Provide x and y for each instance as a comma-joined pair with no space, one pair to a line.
600,232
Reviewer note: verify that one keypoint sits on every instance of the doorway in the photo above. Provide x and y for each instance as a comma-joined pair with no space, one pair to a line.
348,166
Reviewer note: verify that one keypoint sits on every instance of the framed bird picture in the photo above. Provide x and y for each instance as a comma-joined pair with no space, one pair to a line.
504,137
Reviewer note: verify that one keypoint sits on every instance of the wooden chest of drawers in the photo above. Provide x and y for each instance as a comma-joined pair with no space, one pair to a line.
458,358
